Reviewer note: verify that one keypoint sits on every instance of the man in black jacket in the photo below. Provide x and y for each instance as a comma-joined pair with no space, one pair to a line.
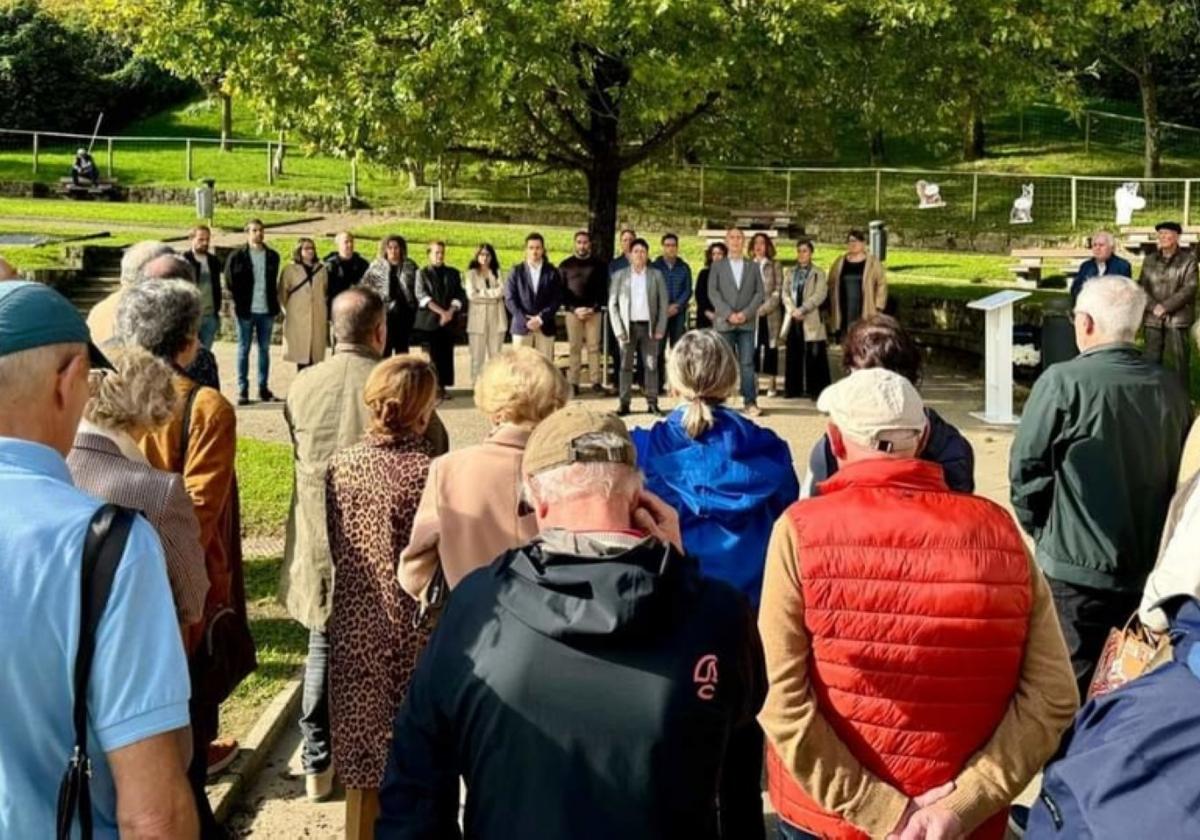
345,267
251,275
585,685
440,304
585,295
207,270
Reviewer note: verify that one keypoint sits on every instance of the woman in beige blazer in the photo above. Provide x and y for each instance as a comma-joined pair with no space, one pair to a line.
770,313
487,320
302,301
857,285
470,511
806,372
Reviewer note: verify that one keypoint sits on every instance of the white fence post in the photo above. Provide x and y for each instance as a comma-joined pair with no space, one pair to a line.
432,203
110,158
1074,202
878,190
354,175
974,196
1187,203
270,165
188,165
787,201
35,152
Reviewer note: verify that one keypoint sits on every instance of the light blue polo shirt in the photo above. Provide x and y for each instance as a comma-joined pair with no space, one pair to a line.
139,684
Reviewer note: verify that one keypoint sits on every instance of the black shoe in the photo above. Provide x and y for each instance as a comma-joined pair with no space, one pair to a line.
265,395
1018,819
244,398
624,411
652,409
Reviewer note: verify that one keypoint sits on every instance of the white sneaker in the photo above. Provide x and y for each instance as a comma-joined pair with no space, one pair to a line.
318,786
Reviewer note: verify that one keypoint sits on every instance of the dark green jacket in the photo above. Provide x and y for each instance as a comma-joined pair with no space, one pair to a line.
1094,464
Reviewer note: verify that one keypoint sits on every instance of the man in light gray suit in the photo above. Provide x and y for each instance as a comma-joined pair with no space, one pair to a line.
637,306
735,287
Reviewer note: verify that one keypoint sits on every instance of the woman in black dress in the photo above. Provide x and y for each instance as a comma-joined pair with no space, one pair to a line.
805,297
704,308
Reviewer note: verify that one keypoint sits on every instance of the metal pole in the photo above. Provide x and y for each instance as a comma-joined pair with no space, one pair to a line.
787,202
110,158
188,166
35,152
432,202
1074,202
1087,132
270,166
354,175
1187,203
974,196
878,189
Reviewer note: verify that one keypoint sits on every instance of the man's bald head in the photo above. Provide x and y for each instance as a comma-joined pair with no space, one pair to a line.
167,267
358,315
137,255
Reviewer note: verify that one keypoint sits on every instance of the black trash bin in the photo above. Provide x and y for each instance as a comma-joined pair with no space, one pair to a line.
1058,333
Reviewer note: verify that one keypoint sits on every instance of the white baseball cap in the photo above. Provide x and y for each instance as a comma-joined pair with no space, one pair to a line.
875,407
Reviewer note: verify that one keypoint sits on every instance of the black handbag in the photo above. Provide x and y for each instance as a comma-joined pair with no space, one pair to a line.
102,550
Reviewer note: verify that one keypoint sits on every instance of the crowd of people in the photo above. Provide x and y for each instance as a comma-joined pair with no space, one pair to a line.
600,633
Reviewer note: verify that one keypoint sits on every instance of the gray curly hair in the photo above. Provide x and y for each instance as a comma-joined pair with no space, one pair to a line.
162,317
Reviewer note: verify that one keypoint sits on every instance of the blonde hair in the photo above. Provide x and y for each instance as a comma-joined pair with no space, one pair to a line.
401,391
520,386
703,371
139,395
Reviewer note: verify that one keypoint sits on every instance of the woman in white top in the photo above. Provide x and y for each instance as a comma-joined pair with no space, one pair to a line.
487,321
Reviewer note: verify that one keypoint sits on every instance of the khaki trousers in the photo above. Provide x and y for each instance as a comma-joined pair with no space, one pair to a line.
578,332
544,344
362,810
483,346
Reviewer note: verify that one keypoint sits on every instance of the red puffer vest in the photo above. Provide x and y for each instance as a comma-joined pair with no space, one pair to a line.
917,603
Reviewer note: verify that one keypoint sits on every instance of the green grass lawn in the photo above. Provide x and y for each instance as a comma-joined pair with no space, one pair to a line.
265,483
147,215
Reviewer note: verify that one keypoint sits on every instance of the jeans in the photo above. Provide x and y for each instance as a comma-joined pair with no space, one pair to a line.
741,339
210,325
787,831
1086,616
1176,342
640,341
257,327
316,754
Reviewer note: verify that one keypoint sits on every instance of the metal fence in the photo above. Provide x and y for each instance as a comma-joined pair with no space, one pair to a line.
1095,130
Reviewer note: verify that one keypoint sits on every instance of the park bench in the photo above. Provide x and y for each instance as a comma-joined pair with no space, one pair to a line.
105,188
1032,261
711,235
773,219
1144,240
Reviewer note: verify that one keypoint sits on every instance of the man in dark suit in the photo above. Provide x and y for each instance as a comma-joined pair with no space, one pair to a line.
345,267
735,287
533,293
638,303
252,275
440,303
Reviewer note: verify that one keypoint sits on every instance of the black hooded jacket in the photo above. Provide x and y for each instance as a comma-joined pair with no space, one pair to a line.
579,697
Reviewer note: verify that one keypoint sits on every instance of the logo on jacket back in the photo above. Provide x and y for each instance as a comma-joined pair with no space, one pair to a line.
705,676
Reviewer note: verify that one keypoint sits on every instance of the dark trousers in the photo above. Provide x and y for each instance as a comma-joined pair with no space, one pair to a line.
787,831
766,357
439,344
1176,342
205,721
316,753
676,327
806,371
1087,615
740,795
399,332
641,342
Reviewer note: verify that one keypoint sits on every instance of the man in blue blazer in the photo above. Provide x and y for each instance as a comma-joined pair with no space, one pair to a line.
533,294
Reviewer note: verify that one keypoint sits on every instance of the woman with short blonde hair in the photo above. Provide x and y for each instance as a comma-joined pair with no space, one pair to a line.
138,396
371,491
471,512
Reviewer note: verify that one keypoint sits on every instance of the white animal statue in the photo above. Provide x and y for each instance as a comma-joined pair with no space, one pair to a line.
1127,200
1022,209
929,195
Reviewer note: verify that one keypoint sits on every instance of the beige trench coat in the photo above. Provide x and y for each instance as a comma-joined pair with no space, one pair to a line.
874,290
486,315
305,316
772,277
816,290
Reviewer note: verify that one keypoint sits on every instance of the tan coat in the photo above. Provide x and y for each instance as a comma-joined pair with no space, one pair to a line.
486,314
325,413
816,290
102,318
1189,465
305,316
874,290
772,307
468,514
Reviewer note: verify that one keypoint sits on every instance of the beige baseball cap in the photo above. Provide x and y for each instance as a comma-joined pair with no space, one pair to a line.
563,438
875,407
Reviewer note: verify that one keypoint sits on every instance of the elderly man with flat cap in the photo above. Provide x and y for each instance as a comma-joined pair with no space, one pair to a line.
1169,280
585,685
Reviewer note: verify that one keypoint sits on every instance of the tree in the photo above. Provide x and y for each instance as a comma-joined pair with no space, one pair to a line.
591,86
1146,39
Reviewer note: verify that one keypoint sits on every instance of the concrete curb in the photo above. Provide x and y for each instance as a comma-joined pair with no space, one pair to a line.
226,792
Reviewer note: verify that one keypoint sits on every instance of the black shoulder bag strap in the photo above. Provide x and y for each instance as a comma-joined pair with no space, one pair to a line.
102,550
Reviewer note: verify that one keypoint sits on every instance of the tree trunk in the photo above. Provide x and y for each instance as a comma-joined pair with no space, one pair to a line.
416,173
974,141
603,182
1152,163
226,120
875,145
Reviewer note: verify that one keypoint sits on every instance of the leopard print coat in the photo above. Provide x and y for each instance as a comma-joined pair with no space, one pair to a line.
372,490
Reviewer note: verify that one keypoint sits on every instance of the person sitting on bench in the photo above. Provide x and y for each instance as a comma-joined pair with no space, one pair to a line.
84,169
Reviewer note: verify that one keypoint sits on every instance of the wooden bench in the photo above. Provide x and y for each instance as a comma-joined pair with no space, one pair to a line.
1144,239
763,219
1031,262
711,235
108,189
